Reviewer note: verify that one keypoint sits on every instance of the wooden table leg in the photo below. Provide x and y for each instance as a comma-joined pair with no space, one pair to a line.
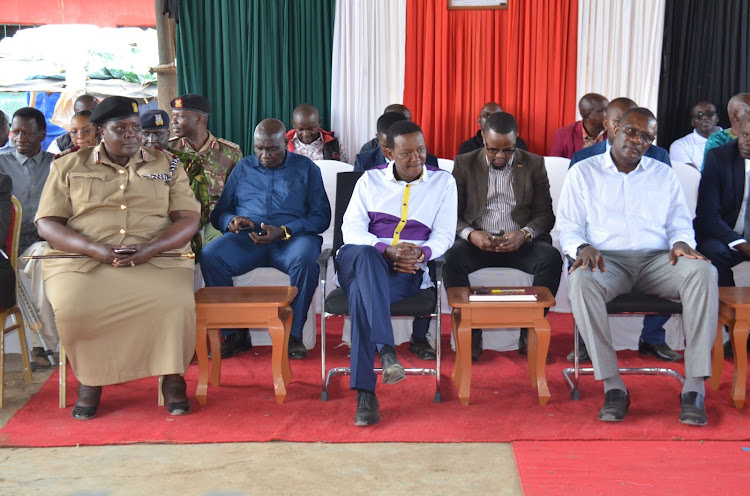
285,314
539,337
455,319
202,352
279,352
717,358
463,343
739,346
214,339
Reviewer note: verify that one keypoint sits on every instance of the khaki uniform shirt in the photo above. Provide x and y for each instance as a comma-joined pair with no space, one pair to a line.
115,205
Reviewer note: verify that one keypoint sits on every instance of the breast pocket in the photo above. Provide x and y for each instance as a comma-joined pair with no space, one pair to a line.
87,187
292,194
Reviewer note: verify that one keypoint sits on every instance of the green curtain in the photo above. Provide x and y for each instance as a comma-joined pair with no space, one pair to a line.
255,59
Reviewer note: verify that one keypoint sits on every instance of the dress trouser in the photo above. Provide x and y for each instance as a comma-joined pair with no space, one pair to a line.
693,282
235,254
371,285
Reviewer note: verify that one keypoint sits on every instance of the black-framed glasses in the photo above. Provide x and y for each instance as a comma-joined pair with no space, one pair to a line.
703,115
632,133
507,152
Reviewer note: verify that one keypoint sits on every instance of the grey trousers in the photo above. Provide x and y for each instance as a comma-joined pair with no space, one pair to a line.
692,282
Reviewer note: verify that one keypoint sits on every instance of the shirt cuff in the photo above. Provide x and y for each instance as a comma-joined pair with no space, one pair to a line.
464,234
381,247
735,243
533,234
427,253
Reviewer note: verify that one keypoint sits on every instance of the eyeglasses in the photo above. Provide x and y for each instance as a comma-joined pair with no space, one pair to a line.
632,132
701,115
507,152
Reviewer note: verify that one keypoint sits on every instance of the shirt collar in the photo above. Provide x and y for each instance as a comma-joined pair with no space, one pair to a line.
317,143
23,159
99,156
608,162
210,143
389,175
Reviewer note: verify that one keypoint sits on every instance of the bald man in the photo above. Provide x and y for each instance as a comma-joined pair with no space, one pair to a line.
738,109
584,133
309,140
271,212
476,142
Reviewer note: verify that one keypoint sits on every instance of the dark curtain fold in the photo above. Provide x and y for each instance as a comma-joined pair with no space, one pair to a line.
255,59
705,56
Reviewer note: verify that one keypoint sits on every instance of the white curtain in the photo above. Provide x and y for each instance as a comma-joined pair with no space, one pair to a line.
619,49
369,39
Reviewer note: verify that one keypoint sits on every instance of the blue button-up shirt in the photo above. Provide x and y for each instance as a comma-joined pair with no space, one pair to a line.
290,195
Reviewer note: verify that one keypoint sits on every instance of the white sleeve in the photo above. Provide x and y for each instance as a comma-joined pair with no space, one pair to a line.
443,231
571,212
356,223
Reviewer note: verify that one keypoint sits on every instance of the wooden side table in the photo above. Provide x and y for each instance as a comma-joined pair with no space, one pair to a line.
734,312
468,315
254,307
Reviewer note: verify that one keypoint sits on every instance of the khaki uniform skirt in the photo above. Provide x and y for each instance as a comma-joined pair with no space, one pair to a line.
121,324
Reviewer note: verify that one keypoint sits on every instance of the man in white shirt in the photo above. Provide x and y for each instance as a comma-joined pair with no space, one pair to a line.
690,149
624,219
401,215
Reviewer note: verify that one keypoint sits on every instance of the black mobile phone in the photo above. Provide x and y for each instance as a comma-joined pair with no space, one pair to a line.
124,251
256,229
498,236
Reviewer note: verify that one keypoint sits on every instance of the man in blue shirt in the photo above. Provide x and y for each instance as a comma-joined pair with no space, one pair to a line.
652,341
271,213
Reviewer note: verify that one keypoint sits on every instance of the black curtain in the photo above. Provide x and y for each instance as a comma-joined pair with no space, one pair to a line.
706,56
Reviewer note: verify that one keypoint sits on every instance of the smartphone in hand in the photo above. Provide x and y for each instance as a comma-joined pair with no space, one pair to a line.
498,236
256,229
123,250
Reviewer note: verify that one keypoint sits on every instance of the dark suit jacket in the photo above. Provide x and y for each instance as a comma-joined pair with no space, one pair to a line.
373,158
720,194
653,151
530,187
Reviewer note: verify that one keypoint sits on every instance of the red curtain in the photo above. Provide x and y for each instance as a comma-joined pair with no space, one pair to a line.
524,58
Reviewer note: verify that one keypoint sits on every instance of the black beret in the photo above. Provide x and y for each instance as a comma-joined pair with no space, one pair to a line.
114,107
154,119
191,101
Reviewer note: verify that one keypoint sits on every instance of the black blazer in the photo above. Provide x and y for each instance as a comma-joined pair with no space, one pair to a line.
720,194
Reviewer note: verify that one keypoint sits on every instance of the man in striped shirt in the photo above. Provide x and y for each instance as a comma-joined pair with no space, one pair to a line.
401,215
504,214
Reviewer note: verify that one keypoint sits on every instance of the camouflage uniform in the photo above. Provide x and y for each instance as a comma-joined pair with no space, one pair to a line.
207,169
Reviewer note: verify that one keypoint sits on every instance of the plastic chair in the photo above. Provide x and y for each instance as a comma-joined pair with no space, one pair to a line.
424,304
11,245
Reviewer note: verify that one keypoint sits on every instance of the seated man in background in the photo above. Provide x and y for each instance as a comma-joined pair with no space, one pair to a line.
272,210
738,109
623,218
502,189
309,140
584,133
401,215
691,148
207,160
155,127
373,158
476,142
374,143
5,142
653,335
66,141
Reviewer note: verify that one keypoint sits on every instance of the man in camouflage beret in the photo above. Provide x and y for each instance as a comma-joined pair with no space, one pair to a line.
208,160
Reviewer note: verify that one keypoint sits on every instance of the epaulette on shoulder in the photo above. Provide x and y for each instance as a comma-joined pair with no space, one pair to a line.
69,150
228,143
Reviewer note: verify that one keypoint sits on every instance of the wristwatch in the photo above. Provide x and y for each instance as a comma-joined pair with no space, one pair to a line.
578,250
287,234
527,235
421,257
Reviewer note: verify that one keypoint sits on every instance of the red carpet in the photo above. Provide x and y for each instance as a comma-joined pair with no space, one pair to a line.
645,468
503,406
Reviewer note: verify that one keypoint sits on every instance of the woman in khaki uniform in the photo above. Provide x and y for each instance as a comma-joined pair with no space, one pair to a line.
122,314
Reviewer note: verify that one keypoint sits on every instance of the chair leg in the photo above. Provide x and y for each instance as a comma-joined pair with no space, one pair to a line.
160,395
63,378
575,394
2,367
24,347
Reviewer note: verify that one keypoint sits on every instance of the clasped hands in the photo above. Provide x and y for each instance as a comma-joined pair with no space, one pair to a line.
405,257
590,257
508,242
123,256
240,223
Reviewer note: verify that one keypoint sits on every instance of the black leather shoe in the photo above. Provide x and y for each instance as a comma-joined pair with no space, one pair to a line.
583,355
393,371
660,351
174,389
422,348
616,405
87,402
476,344
728,351
692,411
368,410
297,350
236,343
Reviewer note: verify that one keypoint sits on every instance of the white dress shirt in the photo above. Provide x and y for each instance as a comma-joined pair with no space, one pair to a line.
611,210
689,149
